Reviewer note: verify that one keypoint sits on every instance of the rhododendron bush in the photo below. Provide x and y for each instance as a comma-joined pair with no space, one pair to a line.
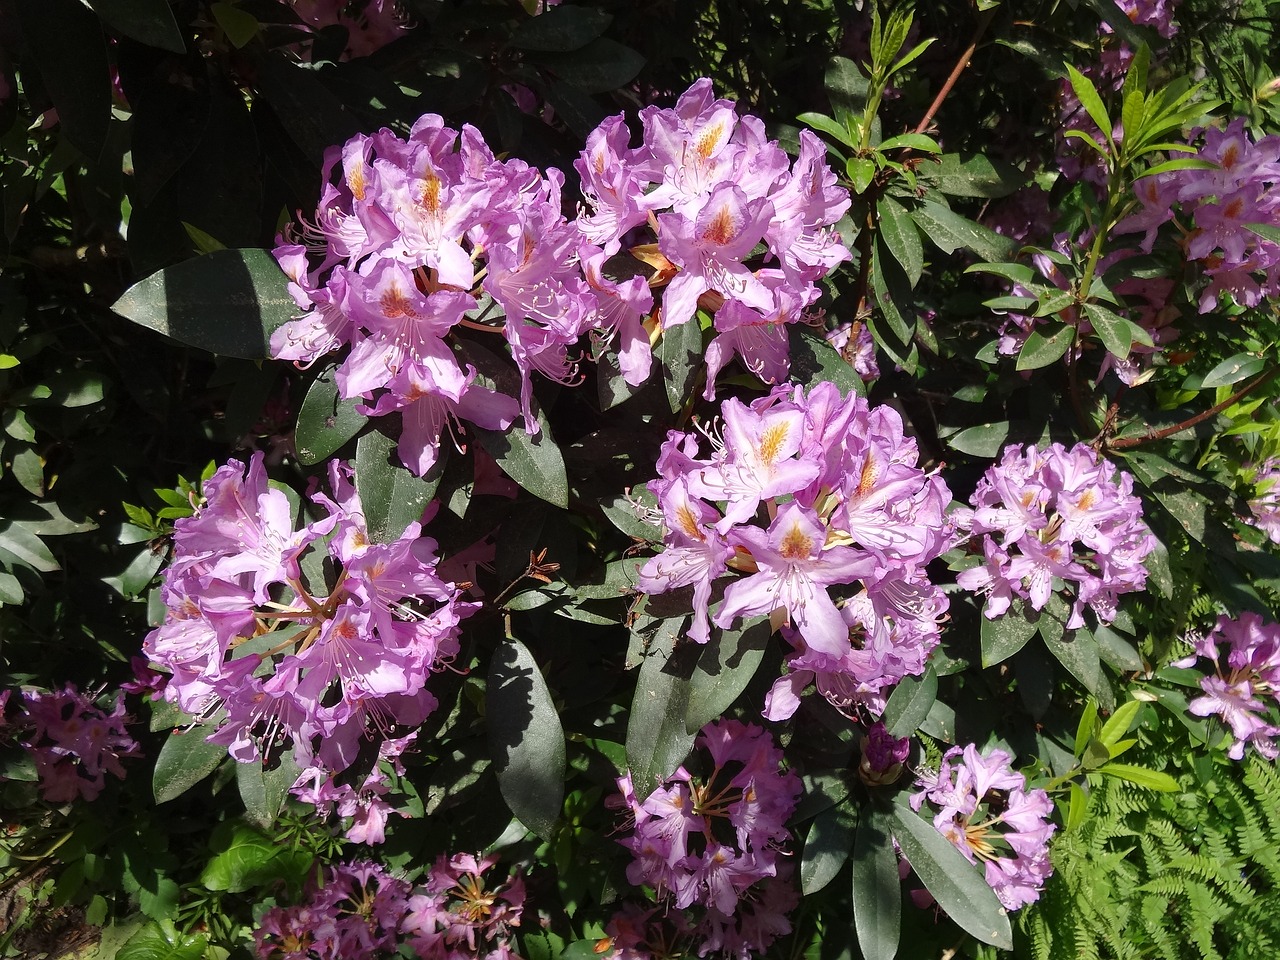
601,480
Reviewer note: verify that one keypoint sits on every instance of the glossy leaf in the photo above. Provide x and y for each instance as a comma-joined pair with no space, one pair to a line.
877,888
813,360
21,546
949,231
185,759
1042,349
658,740
957,885
161,940
727,664
679,352
974,175
228,302
561,29
264,791
1143,777
1088,96
1004,636
149,22
985,440
392,496
534,462
601,66
827,847
910,703
901,238
526,738
325,421
1242,366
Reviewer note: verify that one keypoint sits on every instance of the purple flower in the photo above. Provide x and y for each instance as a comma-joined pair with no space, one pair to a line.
1245,688
73,742
1265,504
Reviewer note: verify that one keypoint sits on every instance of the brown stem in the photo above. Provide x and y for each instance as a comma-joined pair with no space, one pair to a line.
865,238
984,20
1124,443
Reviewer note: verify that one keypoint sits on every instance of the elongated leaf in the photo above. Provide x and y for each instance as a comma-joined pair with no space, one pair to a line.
1143,777
973,175
1232,370
957,885
726,666
949,230
877,889
265,791
910,702
242,859
561,29
1042,349
148,21
680,354
1118,723
1087,93
1111,328
391,495
1079,654
161,940
847,90
827,847
533,462
19,545
601,66
228,302
65,44
1004,636
813,360
1015,272
526,738
894,323
185,759
985,440
325,421
831,128
657,738
901,238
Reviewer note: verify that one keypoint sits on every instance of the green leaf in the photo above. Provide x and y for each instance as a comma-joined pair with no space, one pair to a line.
1118,723
1267,231
1018,273
824,124
901,238
265,791
161,940
1084,729
150,22
1078,807
985,440
561,29
392,496
1143,777
912,141
877,889
1113,330
949,230
861,171
244,857
239,25
525,738
813,360
726,666
958,885
679,351
1232,370
827,847
228,302
893,299
1079,654
1087,93
657,739
601,66
10,589
21,546
847,90
185,759
1044,348
1004,636
910,702
533,462
974,175
325,422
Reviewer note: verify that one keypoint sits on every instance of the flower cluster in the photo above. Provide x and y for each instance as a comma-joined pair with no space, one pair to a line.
369,24
710,840
1265,503
1245,688
362,912
74,743
417,237
710,186
1242,186
1056,516
847,509
984,808
314,637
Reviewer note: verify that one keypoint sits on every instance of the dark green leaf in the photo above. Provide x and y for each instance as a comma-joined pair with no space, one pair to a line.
958,885
901,238
148,21
325,422
894,323
910,702
1006,635
265,791
1115,649
66,46
244,857
161,940
973,176
526,739
1044,348
827,846
314,117
727,664
391,495
847,90
1232,370
21,546
185,759
561,29
877,889
949,230
813,360
985,440
1078,652
680,353
601,66
533,462
228,302
657,738
831,128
